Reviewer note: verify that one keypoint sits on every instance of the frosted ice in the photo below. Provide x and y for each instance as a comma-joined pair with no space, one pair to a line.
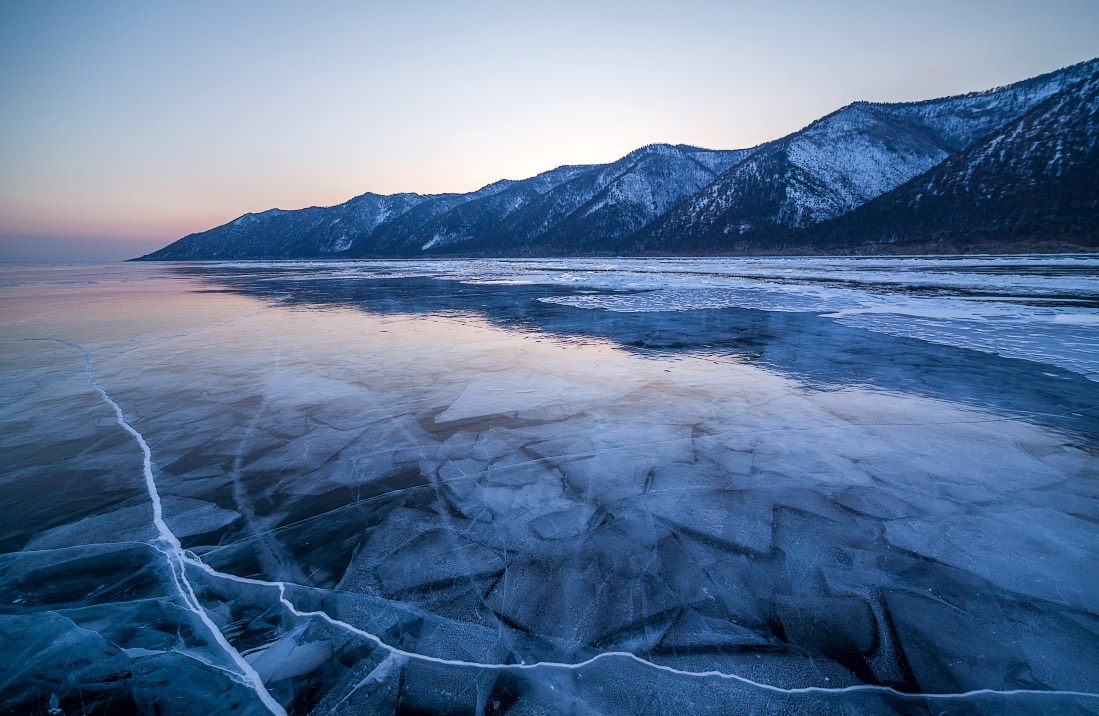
602,486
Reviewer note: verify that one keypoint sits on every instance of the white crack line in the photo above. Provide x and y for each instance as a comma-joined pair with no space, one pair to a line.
173,550
410,655
177,559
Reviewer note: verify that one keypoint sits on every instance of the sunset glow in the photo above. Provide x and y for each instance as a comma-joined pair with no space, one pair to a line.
127,125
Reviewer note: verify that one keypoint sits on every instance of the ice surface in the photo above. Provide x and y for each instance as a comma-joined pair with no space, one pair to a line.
786,485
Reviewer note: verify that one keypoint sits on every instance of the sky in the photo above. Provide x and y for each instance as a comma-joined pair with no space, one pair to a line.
126,125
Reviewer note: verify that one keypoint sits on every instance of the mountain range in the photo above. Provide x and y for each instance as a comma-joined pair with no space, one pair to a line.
1012,169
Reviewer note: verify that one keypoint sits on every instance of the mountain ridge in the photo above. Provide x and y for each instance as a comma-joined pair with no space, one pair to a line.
680,199
838,163
1041,187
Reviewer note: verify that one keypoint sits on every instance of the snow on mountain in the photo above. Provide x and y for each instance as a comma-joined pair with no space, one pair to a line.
840,162
659,199
474,218
1035,180
612,201
555,208
837,165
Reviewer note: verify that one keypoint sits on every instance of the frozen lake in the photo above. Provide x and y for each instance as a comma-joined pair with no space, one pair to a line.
557,486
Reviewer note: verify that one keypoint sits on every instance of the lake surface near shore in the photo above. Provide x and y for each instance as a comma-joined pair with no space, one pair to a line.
783,485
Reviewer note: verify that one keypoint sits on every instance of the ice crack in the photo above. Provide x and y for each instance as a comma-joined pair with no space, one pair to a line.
824,690
178,560
172,549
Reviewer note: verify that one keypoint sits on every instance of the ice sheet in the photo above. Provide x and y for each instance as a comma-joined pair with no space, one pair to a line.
451,486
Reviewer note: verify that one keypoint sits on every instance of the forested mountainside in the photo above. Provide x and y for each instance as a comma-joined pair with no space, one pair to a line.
1032,185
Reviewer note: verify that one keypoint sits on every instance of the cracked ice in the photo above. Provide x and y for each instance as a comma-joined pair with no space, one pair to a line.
489,487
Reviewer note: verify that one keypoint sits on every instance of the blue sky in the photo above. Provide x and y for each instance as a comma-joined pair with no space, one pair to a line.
125,125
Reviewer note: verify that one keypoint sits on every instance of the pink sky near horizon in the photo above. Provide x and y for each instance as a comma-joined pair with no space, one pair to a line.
127,125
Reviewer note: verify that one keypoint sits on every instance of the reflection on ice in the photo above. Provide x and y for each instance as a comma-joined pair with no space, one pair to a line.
402,494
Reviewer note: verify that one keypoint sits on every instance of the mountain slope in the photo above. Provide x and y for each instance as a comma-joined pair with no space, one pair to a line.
466,220
507,216
380,222
1036,182
609,202
677,199
839,163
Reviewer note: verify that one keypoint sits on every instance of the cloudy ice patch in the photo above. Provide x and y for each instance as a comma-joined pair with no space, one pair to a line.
1048,325
1038,308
